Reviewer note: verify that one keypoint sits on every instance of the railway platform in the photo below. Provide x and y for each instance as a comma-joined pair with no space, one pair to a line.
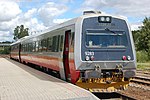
20,82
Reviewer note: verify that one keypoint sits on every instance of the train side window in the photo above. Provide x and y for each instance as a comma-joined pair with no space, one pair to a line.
44,45
61,43
72,39
22,47
37,46
49,44
40,46
25,47
58,43
30,47
34,46
55,43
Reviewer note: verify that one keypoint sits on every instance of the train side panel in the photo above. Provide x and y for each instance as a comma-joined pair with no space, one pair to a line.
47,51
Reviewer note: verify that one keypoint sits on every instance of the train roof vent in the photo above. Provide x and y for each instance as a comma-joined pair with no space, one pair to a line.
91,12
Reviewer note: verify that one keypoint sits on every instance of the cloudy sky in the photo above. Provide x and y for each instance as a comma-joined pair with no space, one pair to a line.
38,15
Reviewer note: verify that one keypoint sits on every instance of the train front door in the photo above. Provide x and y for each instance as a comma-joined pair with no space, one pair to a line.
66,56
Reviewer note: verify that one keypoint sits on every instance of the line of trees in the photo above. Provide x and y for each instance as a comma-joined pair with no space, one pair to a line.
20,31
142,40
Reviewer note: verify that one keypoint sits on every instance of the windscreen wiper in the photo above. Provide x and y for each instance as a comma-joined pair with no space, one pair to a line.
107,29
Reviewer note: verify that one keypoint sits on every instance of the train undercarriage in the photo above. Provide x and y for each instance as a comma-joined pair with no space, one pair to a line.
108,81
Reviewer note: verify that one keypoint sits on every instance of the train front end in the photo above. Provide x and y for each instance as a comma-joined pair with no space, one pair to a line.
107,57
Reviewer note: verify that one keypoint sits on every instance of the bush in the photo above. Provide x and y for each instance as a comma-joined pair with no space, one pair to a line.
5,51
142,56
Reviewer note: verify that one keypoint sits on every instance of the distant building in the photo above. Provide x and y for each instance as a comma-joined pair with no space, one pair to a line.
3,45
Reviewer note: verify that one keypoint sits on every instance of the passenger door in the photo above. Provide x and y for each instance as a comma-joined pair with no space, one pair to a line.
66,55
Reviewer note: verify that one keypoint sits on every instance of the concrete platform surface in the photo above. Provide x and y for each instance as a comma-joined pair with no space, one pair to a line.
20,82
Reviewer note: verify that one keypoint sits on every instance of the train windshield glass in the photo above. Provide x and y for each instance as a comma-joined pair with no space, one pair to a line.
106,39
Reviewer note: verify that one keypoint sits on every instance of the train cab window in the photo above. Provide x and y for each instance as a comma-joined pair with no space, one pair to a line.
98,39
49,44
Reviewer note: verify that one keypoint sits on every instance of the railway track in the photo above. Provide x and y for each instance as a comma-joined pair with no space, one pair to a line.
139,87
147,72
4,56
125,97
141,81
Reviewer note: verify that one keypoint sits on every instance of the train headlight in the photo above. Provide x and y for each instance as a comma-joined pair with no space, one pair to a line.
87,58
107,19
92,58
124,58
104,19
128,57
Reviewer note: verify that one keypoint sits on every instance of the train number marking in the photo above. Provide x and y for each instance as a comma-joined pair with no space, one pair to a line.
89,53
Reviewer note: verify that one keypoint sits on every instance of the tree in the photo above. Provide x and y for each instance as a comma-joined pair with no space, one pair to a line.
136,34
16,33
20,32
142,37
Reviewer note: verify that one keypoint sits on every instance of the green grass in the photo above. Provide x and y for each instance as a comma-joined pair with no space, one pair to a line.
142,57
143,60
143,66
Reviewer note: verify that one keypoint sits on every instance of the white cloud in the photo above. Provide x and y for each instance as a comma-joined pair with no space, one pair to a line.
58,21
27,19
8,10
12,16
30,13
5,36
66,1
127,7
136,26
50,10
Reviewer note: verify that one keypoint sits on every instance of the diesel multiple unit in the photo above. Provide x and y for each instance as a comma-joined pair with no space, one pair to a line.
94,51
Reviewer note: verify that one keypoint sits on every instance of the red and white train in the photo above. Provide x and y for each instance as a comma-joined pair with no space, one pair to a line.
94,51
